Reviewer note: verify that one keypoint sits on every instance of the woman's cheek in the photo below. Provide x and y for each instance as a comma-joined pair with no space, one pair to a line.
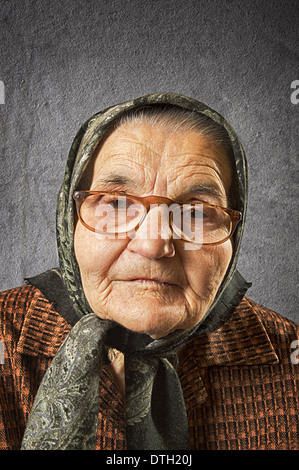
205,269
95,254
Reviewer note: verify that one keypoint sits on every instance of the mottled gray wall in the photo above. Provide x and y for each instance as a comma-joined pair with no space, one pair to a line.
61,61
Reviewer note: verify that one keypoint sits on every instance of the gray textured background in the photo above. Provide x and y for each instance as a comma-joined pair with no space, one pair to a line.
62,61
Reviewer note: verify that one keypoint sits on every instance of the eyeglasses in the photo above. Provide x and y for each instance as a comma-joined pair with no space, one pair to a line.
118,215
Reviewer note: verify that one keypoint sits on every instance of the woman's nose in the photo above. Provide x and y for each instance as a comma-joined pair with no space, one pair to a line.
153,239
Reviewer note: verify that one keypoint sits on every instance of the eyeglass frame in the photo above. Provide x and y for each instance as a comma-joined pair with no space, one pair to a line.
146,201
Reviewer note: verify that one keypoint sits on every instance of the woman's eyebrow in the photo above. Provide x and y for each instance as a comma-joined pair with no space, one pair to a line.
207,189
115,179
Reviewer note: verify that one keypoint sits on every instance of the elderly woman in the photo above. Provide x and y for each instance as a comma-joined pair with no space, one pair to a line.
143,338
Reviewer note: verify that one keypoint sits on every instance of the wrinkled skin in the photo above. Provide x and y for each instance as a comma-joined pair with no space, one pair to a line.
154,286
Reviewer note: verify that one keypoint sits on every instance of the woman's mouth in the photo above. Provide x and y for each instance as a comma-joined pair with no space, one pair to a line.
151,282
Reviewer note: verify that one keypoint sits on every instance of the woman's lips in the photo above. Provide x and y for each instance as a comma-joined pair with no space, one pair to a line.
158,281
152,281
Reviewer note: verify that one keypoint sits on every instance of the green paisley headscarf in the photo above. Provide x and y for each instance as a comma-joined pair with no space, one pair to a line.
65,411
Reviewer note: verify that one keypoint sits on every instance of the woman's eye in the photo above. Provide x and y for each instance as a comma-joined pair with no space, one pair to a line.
116,203
195,212
201,213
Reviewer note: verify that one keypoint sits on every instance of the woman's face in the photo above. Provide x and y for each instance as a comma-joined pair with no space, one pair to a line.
154,285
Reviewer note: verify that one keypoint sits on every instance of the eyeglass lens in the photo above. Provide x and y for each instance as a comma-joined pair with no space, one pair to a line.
200,223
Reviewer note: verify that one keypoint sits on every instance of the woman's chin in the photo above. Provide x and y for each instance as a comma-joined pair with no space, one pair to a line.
157,321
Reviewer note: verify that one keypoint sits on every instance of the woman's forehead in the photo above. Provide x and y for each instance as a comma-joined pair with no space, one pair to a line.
141,152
